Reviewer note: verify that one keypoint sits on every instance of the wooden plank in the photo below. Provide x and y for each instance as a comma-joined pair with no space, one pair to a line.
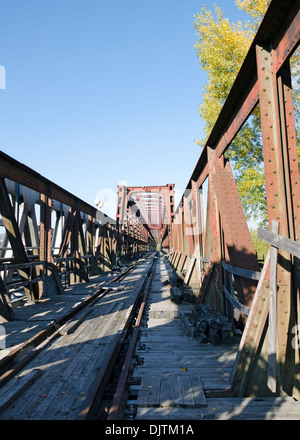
165,397
187,391
153,399
143,395
23,382
176,390
280,242
235,409
198,392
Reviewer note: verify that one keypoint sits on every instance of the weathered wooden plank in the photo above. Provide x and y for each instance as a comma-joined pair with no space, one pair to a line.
198,392
187,391
176,390
279,241
165,397
23,382
229,409
143,395
153,399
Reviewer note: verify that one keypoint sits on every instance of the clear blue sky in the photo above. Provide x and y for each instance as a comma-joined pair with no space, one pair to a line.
102,92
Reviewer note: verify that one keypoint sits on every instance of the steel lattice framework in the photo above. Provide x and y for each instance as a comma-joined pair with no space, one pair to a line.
52,238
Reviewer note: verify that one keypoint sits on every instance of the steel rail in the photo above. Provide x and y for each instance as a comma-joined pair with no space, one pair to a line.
92,403
115,409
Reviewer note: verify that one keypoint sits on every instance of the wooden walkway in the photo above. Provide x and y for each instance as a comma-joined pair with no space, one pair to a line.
176,371
55,384
36,316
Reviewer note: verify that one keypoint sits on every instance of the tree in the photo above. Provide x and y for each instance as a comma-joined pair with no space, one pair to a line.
221,48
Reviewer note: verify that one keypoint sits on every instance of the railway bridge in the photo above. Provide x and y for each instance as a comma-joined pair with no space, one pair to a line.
163,312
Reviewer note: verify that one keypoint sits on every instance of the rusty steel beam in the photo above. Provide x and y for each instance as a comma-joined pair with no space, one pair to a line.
264,79
281,25
15,239
17,172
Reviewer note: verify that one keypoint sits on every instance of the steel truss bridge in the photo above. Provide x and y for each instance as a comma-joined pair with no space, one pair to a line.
53,240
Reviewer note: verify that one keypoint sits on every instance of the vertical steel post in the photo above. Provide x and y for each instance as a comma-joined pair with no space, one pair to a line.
278,172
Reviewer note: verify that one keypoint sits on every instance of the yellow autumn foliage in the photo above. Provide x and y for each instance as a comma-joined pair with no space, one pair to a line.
221,47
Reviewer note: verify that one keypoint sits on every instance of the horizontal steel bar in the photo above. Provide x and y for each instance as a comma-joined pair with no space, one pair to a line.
245,273
235,303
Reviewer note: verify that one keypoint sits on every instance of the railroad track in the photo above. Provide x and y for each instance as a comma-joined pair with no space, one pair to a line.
31,362
127,336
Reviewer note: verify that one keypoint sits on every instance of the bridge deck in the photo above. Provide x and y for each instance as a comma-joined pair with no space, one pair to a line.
36,316
171,361
175,371
59,377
